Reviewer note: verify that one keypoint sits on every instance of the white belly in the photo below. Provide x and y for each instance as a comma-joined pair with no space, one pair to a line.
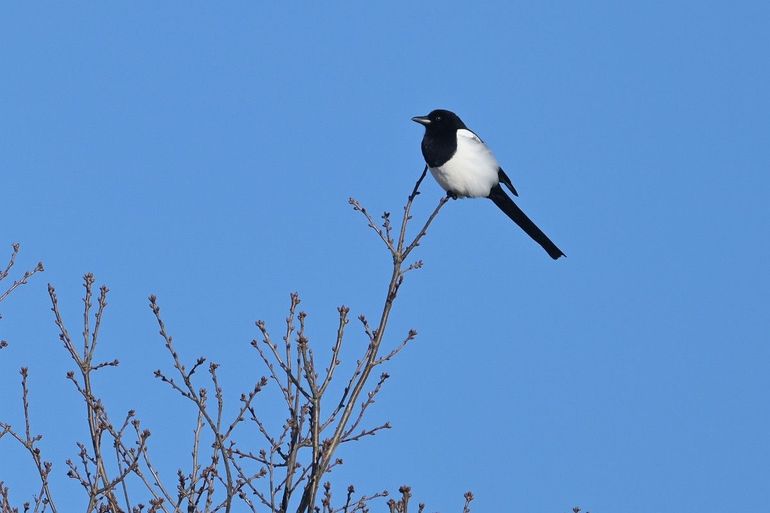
471,172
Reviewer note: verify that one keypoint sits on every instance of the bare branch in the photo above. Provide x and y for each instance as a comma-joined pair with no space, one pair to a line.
399,249
29,441
384,234
24,278
409,337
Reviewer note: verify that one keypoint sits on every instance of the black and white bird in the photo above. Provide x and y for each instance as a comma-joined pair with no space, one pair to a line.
466,168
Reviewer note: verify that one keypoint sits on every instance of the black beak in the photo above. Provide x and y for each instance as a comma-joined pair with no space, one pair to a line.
423,120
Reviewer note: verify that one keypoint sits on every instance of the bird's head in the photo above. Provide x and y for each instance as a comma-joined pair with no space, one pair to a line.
439,121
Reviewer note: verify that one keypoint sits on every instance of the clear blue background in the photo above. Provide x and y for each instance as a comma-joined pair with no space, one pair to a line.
206,153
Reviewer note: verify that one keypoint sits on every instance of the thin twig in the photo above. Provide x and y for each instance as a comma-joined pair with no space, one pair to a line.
29,441
24,278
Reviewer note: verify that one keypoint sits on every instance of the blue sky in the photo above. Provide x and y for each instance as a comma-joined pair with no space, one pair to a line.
205,153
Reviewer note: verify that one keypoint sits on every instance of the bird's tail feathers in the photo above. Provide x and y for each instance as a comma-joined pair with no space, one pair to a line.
506,204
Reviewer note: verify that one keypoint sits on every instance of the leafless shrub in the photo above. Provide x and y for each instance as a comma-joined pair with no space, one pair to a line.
287,473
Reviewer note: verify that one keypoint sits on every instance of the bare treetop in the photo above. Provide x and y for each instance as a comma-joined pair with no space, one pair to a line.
289,469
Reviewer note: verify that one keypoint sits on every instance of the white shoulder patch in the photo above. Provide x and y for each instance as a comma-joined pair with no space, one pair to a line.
464,132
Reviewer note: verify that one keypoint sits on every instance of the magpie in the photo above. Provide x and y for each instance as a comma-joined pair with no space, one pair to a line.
466,168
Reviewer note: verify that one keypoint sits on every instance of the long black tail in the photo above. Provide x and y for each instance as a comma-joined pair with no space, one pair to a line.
510,208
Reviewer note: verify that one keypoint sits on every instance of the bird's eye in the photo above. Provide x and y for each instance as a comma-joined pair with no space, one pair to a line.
438,118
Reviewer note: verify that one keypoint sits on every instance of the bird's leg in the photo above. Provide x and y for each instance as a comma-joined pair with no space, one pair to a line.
450,194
